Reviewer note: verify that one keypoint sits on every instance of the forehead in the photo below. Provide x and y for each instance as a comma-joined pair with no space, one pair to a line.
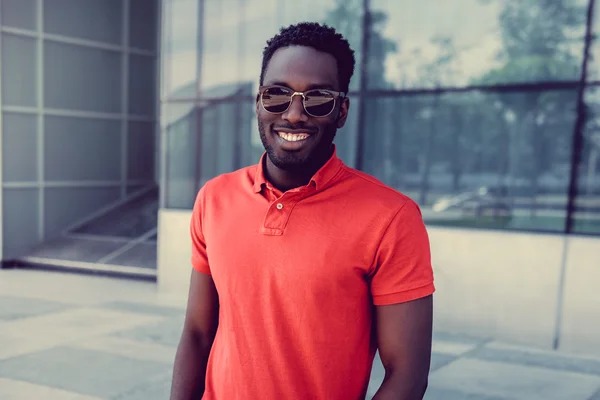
301,67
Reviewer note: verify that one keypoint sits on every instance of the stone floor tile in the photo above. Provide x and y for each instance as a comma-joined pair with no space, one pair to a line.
513,382
537,358
440,360
458,338
18,390
87,372
13,346
12,307
166,332
144,308
378,372
595,396
451,347
73,288
129,348
75,324
154,389
448,394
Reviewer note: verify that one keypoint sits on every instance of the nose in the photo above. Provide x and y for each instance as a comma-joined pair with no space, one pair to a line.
295,113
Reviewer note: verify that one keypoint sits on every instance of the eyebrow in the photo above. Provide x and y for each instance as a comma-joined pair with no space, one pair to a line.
310,87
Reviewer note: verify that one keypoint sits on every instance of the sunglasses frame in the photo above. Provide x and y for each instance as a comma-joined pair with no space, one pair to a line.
336,95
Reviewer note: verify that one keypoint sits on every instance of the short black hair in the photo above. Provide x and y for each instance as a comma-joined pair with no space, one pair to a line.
318,36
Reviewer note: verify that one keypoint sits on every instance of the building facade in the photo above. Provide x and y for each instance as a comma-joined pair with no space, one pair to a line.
114,113
482,112
79,106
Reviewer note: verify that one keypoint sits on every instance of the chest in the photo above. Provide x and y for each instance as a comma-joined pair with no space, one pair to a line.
261,253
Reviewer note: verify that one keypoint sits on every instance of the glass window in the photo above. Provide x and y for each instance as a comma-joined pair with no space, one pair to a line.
586,215
20,228
464,42
346,138
236,32
142,85
226,142
207,139
81,78
222,50
81,149
140,149
19,62
474,159
180,128
180,52
593,70
100,21
143,23
65,206
19,147
18,14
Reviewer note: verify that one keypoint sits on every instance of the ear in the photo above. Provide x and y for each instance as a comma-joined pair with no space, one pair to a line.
343,114
257,104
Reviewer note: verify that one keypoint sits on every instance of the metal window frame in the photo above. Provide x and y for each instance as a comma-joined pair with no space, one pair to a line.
60,112
158,93
51,37
71,184
162,78
40,117
576,148
1,156
124,96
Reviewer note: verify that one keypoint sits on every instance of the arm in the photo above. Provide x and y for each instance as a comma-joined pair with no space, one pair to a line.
404,338
199,330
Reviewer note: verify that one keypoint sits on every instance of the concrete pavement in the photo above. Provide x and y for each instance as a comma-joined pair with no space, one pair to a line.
78,337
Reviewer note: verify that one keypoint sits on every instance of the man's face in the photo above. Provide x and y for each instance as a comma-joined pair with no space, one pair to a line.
300,68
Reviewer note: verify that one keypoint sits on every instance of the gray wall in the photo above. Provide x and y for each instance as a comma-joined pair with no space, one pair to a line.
78,111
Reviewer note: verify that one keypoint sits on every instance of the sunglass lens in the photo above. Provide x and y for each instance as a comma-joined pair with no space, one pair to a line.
276,100
319,103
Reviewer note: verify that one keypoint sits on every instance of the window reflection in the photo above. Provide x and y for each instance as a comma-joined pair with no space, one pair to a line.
180,128
236,32
205,139
593,71
586,216
346,137
226,129
476,159
180,52
487,159
468,42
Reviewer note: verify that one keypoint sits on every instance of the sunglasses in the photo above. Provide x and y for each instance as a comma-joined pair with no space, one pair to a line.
316,102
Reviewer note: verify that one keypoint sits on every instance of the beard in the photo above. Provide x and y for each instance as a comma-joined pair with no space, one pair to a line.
293,162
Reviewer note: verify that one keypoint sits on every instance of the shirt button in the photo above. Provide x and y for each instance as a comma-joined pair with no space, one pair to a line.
279,206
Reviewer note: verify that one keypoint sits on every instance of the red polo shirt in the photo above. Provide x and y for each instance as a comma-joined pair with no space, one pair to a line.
298,274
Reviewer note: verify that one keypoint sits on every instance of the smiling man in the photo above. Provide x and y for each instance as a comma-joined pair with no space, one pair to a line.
303,267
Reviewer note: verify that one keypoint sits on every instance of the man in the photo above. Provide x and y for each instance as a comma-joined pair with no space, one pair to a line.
303,267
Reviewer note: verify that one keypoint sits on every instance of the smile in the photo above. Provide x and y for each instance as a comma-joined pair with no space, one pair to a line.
292,137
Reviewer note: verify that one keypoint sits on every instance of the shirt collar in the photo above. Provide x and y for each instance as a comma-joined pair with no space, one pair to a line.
319,179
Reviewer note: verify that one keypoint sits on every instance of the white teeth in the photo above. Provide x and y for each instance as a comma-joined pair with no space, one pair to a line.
292,137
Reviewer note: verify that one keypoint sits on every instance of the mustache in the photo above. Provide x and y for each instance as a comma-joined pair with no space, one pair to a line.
295,127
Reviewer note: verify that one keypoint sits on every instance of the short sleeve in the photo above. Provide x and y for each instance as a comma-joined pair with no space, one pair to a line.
403,270
199,255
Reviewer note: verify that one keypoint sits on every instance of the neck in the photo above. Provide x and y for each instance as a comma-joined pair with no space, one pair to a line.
285,180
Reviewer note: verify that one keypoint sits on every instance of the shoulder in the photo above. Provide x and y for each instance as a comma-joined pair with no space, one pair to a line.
372,192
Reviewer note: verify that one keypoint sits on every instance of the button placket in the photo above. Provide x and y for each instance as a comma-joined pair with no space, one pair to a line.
279,212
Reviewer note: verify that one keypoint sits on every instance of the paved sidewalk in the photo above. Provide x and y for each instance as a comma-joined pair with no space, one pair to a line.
75,337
